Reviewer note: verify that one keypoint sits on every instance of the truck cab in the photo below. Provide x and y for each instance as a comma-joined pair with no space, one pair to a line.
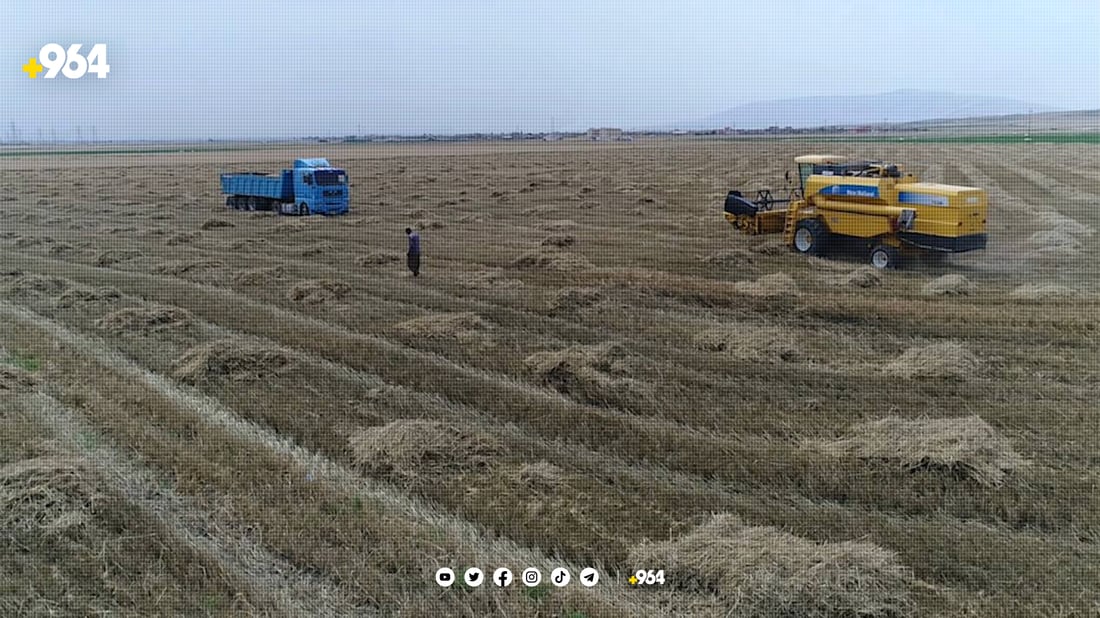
319,188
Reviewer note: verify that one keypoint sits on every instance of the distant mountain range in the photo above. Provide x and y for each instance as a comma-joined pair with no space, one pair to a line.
889,107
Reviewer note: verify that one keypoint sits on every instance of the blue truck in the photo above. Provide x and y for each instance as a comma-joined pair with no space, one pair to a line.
312,186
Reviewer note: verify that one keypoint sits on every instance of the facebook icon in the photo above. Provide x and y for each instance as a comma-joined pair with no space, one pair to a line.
502,577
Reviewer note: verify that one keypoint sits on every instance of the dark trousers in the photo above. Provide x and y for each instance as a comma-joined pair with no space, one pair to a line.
413,260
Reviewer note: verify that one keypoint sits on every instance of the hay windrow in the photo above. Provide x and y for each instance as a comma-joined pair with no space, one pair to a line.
314,291
60,249
827,264
769,286
559,240
14,378
596,373
540,476
182,267
572,298
1039,292
949,285
966,446
318,248
289,227
258,276
938,360
772,246
863,277
552,260
487,279
145,319
430,224
1054,241
24,242
37,285
182,238
751,343
729,257
87,296
407,446
378,258
563,225
243,244
767,572
231,359
215,223
443,325
115,256
50,494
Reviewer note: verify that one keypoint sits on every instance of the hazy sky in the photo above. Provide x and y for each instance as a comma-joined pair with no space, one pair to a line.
272,69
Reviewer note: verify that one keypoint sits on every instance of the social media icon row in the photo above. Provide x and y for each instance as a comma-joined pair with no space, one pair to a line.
502,577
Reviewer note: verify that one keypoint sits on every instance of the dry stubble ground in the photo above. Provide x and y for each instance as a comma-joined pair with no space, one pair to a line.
267,415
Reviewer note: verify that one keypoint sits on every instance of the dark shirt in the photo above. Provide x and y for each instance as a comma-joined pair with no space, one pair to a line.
414,244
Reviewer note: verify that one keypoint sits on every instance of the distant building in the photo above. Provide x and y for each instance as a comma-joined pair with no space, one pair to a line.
605,135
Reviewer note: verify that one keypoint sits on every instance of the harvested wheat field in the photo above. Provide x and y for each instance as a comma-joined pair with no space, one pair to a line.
211,412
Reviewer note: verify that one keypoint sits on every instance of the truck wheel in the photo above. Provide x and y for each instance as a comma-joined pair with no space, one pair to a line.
884,256
810,236
229,201
303,210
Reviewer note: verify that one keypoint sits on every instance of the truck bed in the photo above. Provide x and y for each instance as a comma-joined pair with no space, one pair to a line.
278,187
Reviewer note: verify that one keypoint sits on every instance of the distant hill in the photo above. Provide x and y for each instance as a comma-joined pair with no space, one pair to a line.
893,107
1077,120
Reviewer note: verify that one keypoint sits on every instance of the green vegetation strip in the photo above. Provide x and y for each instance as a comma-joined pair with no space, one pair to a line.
26,363
1014,138
126,151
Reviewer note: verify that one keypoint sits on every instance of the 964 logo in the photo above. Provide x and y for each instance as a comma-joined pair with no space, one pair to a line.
69,62
648,577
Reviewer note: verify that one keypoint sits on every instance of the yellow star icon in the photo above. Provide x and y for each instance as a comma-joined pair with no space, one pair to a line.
32,68
633,580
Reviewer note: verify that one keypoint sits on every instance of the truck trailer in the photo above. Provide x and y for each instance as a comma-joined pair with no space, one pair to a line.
312,186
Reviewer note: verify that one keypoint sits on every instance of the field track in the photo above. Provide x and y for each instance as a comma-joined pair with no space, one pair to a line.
243,413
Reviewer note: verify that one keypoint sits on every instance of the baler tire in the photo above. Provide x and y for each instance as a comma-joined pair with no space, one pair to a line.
810,236
885,257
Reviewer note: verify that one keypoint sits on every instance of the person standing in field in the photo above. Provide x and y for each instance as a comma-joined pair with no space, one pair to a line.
412,258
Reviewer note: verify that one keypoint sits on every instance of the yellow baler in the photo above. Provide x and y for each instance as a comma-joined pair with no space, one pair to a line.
872,204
